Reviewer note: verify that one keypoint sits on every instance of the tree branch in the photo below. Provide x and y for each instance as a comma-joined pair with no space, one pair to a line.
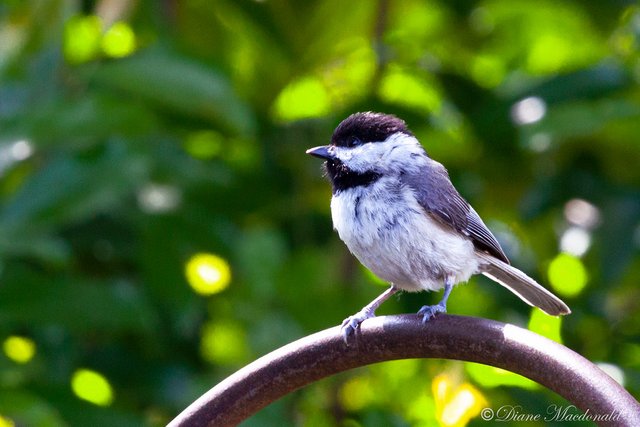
403,337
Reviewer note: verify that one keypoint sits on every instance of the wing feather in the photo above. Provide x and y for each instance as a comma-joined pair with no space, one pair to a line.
439,198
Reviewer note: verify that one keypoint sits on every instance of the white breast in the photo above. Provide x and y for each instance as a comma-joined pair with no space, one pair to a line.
390,233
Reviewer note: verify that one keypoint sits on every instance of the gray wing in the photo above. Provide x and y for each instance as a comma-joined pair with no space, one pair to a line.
439,198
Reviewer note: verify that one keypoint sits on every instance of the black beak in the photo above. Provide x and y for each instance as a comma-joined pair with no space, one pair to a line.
321,152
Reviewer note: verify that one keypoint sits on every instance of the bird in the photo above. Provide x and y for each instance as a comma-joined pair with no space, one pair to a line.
398,213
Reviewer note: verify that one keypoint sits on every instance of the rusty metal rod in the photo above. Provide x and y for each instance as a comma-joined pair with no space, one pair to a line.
404,337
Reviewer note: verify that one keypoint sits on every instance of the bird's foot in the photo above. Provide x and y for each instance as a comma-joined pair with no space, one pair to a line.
351,323
429,311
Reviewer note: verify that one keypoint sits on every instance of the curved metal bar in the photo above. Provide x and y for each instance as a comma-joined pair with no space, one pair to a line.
403,337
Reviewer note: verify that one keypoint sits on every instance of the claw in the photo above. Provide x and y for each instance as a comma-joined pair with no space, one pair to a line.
351,323
429,311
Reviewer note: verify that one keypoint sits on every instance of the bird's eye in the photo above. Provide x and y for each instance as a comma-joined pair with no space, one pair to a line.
353,141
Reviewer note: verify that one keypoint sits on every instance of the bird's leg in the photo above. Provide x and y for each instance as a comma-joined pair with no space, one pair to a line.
429,311
351,323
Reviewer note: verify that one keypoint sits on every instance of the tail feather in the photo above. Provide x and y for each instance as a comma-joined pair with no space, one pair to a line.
522,285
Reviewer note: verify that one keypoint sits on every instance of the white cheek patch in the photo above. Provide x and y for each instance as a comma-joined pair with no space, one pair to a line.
397,152
363,158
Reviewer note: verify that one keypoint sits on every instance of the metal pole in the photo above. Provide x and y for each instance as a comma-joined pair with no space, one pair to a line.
403,337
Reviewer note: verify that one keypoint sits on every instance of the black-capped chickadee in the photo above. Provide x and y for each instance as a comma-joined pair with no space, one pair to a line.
398,213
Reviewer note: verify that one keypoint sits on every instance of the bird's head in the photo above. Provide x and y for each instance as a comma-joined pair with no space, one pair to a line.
367,146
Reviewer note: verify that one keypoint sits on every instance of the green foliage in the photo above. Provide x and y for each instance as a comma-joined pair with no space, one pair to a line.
152,151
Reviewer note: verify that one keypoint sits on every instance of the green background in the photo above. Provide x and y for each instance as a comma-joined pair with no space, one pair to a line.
134,135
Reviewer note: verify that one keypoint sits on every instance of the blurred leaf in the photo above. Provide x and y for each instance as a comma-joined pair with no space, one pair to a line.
402,88
261,253
82,38
489,376
456,403
619,238
223,343
181,85
584,118
545,325
591,83
86,121
22,242
106,307
567,275
28,409
72,188
301,99
545,36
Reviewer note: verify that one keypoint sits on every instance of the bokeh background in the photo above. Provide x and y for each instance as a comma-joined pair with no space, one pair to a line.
161,226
